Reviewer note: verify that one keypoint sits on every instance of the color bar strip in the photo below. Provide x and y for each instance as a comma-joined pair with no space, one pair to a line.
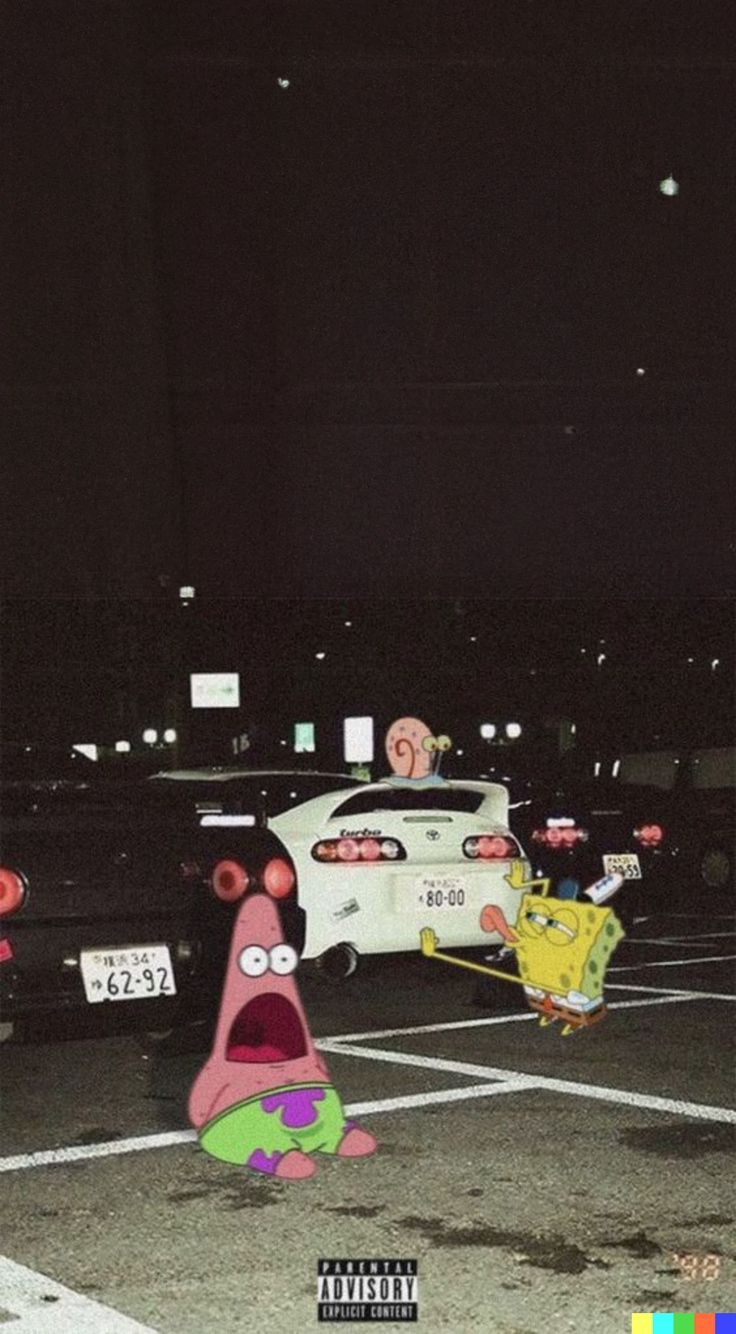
686,1322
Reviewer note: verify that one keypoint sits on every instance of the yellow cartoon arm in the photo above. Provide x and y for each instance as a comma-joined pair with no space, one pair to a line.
429,942
516,879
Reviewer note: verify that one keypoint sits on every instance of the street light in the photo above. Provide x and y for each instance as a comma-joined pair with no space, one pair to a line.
170,736
488,731
513,729
122,747
150,736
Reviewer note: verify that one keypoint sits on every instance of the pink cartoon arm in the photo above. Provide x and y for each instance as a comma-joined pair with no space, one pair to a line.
206,1099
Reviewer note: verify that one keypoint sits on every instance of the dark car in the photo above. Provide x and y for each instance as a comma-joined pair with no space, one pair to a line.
118,898
664,819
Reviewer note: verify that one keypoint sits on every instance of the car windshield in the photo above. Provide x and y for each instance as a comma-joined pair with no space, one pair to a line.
459,800
713,768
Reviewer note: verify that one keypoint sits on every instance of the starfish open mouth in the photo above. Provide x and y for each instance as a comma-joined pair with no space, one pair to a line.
268,1028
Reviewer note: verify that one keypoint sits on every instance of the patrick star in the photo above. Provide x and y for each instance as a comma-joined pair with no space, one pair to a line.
264,1099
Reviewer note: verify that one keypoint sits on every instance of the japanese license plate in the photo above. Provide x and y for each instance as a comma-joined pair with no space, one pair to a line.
625,863
140,972
435,891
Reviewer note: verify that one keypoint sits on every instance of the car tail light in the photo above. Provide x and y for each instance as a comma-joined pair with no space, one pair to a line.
230,881
278,878
556,836
491,847
649,835
12,892
353,850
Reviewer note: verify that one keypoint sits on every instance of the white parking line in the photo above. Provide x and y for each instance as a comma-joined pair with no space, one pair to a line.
110,1148
428,1028
105,1149
670,963
668,991
442,1095
33,1304
701,1111
692,935
505,1081
333,1040
691,944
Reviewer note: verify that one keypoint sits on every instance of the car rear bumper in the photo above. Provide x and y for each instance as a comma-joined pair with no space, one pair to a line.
43,976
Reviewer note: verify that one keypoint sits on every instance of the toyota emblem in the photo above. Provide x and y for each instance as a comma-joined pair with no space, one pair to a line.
433,833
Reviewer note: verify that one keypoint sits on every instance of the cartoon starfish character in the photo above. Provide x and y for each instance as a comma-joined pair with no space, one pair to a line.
264,1099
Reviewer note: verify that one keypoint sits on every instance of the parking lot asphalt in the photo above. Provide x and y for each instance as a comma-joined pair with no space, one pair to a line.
542,1183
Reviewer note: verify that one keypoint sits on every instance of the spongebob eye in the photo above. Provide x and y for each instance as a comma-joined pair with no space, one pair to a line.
283,959
561,929
443,742
253,961
539,917
534,922
429,743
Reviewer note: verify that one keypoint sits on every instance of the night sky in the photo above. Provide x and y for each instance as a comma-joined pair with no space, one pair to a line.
349,299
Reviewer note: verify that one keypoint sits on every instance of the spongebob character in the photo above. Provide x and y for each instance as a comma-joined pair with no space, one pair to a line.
562,948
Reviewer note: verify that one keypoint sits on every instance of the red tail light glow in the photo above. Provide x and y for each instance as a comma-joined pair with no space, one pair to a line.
491,847
12,892
650,835
278,878
556,836
357,850
348,850
230,881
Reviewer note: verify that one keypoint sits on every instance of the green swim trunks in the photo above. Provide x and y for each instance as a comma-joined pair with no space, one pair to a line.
258,1131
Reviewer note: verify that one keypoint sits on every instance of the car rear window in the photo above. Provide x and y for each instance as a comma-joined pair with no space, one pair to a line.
404,799
265,794
713,768
652,768
280,794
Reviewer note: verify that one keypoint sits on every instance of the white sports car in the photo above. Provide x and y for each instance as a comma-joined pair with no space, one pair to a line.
376,864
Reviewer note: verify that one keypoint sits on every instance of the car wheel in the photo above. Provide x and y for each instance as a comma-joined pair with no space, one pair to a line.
715,868
338,963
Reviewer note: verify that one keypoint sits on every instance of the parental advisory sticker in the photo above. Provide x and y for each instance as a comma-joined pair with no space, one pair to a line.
367,1290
